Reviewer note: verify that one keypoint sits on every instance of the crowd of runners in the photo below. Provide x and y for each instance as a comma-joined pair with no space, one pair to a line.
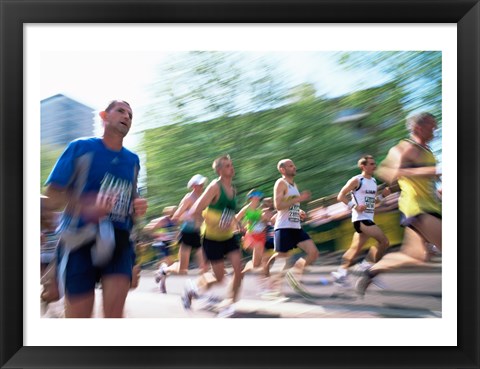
94,184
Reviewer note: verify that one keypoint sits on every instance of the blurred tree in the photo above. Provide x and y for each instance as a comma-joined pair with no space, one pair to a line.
419,73
324,137
199,85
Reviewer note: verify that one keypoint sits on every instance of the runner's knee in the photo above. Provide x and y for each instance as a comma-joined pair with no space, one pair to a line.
314,253
384,243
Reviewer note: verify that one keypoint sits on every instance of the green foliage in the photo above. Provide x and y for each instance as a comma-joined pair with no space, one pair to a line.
207,104
199,85
48,157
324,150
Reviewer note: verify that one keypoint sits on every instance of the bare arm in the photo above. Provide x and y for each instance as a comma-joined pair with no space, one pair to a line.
207,197
156,224
242,212
419,172
267,215
397,164
89,206
385,192
279,196
349,187
184,205
273,218
139,206
56,198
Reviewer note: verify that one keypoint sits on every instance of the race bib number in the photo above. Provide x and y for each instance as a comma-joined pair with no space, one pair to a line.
370,204
294,213
116,192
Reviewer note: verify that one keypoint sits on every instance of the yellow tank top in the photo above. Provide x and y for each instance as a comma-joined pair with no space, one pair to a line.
418,193
219,224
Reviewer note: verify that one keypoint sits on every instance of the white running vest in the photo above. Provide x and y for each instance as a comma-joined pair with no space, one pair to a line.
364,194
289,218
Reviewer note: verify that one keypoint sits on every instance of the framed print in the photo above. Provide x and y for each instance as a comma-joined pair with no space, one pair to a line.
381,343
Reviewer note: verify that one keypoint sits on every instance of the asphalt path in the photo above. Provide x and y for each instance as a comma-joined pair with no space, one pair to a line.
404,293
409,293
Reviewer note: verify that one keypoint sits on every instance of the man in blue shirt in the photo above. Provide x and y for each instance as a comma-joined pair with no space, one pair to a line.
95,182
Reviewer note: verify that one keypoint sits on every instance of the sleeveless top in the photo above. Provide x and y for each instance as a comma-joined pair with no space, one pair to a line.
218,217
188,224
364,194
289,218
418,193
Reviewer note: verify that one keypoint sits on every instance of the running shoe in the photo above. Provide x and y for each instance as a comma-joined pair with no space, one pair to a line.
226,312
340,279
160,272
432,249
161,277
362,283
209,302
364,265
189,294
162,285
296,285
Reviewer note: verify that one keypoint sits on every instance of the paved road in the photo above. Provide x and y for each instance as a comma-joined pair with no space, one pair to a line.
405,293
412,293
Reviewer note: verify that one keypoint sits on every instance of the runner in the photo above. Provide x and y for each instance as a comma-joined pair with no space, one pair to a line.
252,216
189,237
270,215
266,290
412,163
217,205
288,230
95,181
164,231
363,190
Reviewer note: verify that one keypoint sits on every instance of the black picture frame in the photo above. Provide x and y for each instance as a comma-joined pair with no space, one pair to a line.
14,14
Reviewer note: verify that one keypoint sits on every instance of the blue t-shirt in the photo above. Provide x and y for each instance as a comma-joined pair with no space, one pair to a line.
90,171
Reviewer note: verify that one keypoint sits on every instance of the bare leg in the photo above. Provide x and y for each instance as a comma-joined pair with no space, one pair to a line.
181,267
430,228
312,254
358,241
207,280
202,263
268,264
115,290
376,252
278,270
413,251
79,306
256,260
235,259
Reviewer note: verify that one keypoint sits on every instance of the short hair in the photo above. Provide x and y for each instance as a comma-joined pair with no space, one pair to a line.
115,102
281,163
363,160
218,162
418,119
